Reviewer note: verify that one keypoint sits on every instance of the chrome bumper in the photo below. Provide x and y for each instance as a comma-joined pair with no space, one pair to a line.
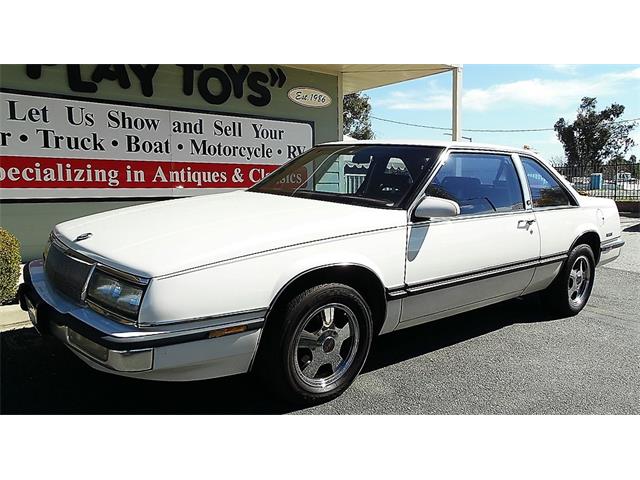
611,244
193,350
118,360
610,250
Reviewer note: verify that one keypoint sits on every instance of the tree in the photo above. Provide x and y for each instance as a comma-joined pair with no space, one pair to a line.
356,109
594,137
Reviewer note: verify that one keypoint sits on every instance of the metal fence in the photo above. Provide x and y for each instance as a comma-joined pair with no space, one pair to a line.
618,181
353,182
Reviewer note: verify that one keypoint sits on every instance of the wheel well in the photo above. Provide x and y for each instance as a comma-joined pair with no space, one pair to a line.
593,240
363,280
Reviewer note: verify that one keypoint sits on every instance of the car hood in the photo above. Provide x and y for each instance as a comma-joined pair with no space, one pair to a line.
166,237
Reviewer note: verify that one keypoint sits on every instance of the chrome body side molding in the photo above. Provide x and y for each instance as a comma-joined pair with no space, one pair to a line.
441,283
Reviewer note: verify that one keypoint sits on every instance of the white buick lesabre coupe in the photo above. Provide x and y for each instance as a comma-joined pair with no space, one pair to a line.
293,277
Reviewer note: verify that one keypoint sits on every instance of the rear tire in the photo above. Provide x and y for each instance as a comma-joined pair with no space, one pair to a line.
315,348
570,291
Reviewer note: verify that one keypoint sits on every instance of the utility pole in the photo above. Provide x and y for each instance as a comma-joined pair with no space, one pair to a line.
456,113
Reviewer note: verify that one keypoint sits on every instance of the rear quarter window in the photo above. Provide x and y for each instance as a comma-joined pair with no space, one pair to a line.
546,191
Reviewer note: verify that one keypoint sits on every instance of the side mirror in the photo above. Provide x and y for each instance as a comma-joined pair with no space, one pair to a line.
431,207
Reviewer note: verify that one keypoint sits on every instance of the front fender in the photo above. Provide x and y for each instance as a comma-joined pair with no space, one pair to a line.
252,282
311,263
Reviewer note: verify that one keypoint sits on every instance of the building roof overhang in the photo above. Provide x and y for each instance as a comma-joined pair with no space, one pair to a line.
357,77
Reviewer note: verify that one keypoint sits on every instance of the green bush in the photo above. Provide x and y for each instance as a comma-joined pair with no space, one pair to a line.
9,265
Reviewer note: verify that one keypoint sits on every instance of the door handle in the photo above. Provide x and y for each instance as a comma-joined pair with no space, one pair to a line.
525,223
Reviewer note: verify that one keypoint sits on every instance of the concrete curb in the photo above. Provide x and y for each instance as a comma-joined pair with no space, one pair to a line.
13,317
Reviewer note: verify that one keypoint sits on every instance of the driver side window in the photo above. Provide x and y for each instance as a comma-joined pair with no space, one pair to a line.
480,183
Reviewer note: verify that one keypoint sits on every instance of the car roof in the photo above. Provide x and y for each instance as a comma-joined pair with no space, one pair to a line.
435,143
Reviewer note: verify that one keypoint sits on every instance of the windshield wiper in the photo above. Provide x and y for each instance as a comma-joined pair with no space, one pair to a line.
340,196
377,201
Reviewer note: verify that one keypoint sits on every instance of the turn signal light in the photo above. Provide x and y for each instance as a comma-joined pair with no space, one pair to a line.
227,331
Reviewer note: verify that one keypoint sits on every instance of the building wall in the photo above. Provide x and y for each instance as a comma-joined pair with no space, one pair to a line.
32,219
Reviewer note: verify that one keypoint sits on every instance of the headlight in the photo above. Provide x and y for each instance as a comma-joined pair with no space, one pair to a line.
115,295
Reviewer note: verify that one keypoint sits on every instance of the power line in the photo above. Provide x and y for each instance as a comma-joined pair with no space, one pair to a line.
411,124
484,130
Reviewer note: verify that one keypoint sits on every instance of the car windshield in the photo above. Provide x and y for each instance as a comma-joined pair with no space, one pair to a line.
371,175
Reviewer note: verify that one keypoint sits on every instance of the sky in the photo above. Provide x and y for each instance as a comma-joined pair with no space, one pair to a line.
506,97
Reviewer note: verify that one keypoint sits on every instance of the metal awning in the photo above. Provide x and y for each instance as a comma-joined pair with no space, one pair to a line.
357,77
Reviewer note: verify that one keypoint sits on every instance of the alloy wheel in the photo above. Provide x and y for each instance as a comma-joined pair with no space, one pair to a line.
579,280
326,343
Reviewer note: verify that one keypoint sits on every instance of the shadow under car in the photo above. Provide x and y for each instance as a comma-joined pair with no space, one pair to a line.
41,376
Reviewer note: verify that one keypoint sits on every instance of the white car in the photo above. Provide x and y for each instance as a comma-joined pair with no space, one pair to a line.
296,275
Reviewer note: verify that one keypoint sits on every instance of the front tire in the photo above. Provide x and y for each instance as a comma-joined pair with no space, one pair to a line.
570,291
319,346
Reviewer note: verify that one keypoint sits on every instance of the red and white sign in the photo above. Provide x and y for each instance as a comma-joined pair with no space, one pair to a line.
56,148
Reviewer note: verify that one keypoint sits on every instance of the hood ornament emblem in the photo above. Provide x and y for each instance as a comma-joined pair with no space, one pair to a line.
83,236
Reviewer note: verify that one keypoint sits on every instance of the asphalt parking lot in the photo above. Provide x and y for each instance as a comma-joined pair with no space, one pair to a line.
510,358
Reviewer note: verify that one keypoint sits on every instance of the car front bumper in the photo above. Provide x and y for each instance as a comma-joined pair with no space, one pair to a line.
193,350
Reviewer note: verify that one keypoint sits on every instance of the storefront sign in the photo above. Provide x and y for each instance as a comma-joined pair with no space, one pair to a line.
216,85
58,148
309,97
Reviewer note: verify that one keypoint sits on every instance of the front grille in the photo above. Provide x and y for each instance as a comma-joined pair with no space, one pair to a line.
67,274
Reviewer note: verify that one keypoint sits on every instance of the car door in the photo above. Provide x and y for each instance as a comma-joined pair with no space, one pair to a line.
486,254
